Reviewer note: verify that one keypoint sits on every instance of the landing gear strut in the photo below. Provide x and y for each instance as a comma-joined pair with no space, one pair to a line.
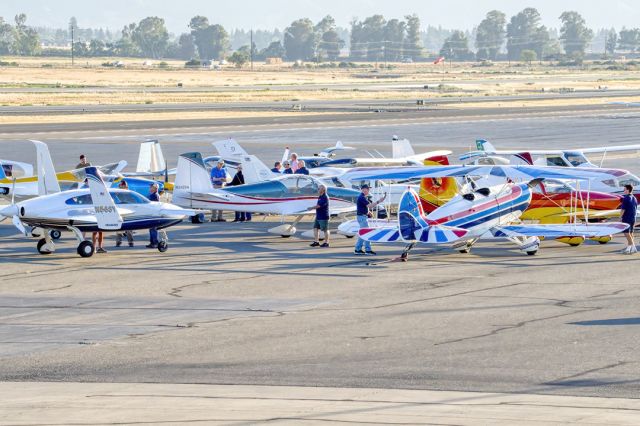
405,254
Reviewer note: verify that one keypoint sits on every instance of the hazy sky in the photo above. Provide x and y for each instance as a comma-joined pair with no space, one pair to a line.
268,14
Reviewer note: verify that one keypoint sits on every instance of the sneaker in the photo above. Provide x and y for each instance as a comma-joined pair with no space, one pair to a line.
130,244
314,244
100,250
325,245
627,250
359,252
152,246
370,253
118,243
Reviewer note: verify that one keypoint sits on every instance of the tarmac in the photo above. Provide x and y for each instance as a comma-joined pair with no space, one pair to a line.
231,313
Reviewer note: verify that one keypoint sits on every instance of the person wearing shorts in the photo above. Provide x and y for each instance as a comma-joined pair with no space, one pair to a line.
322,218
629,208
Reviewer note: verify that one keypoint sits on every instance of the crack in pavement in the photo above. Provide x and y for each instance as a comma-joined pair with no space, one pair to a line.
582,373
175,292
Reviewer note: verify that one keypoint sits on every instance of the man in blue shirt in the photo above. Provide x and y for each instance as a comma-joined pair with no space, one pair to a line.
629,208
218,179
363,205
287,168
322,218
302,169
153,232
276,167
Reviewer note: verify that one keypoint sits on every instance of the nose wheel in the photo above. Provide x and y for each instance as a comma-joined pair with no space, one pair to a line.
163,241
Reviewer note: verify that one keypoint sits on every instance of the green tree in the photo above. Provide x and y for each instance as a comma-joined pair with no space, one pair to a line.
6,37
97,48
528,56
186,48
358,47
126,46
629,39
524,32
26,40
299,40
394,35
328,40
274,50
413,39
574,33
151,37
373,29
240,57
490,35
212,41
456,47
81,49
611,42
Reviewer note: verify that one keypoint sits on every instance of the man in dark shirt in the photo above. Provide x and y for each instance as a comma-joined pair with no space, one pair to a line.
322,218
153,232
362,215
276,167
238,179
287,168
302,168
629,208
83,162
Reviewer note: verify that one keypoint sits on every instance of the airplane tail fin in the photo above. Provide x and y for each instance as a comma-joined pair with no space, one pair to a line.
414,226
229,148
106,211
151,159
254,170
191,175
402,148
434,192
484,145
47,179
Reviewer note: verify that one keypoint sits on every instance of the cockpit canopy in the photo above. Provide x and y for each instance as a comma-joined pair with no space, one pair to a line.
119,197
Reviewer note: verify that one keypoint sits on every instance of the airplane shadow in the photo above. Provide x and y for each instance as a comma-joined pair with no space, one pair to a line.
611,321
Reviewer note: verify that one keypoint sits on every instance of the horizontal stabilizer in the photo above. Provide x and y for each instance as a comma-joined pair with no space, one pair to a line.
380,235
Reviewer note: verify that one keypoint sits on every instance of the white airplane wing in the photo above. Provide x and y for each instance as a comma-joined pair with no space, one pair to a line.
556,231
603,149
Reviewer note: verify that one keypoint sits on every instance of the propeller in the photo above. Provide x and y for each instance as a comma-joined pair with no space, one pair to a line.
18,224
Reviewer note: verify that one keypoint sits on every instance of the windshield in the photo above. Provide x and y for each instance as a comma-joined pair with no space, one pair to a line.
556,187
128,198
576,159
300,184
628,179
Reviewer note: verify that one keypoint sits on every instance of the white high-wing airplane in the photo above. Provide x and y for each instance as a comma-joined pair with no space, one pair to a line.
90,210
545,157
286,195
611,181
491,212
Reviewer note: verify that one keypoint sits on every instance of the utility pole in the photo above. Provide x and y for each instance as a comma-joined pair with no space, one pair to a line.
251,49
72,43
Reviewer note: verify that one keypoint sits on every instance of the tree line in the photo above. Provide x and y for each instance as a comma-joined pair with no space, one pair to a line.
374,38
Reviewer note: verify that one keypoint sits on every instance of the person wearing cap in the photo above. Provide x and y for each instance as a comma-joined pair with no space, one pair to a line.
363,206
287,168
302,169
153,232
83,162
276,167
129,234
218,179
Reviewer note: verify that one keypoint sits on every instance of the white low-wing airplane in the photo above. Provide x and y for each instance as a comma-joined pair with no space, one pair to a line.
286,195
491,212
90,210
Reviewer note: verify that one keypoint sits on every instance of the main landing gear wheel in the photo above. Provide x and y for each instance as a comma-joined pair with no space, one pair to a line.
199,218
465,250
85,249
55,234
532,253
42,243
349,236
163,246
